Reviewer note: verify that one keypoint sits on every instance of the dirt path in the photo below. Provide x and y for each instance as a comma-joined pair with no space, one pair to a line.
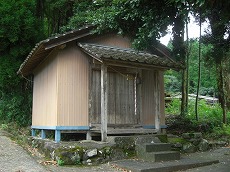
222,154
13,158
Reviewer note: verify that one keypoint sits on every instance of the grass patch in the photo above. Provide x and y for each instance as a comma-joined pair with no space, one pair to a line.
209,123
17,133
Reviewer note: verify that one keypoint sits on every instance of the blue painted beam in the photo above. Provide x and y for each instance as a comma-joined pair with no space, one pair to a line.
153,126
61,127
57,136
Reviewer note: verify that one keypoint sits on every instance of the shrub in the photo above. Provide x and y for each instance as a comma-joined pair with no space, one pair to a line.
210,117
173,107
16,108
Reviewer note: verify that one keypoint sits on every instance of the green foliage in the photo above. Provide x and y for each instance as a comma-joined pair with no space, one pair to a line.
60,162
173,107
17,133
16,107
19,31
18,23
210,117
222,130
208,77
142,20
54,14
172,82
4,126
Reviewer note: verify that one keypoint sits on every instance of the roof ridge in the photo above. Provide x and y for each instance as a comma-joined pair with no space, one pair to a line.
118,48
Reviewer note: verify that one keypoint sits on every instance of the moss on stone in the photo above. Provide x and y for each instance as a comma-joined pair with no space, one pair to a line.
69,155
125,142
129,153
163,138
177,140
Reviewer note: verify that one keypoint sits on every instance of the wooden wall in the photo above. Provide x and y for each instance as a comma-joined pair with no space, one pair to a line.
120,111
121,103
162,97
73,86
152,97
60,93
112,40
44,111
62,82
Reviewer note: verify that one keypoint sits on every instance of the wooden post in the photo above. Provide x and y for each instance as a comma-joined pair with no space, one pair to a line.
43,134
88,135
33,132
57,136
104,102
157,101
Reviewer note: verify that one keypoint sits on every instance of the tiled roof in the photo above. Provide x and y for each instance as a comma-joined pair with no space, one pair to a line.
102,52
44,47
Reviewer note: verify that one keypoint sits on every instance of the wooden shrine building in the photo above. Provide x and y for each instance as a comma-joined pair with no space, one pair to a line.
96,84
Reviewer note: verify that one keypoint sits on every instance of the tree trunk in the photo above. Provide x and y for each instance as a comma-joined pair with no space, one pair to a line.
179,50
184,102
199,75
187,64
227,88
221,88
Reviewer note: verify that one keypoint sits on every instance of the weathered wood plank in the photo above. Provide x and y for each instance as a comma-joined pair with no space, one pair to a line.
111,96
148,101
118,131
157,101
104,102
121,102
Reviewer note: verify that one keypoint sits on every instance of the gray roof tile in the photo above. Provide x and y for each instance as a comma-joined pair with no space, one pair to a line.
130,55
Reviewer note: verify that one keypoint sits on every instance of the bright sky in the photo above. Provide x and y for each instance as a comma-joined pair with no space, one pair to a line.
193,31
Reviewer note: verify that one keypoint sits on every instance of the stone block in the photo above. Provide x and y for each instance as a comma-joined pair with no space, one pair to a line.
189,148
203,146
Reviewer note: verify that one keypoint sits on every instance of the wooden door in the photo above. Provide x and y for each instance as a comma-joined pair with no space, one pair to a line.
121,99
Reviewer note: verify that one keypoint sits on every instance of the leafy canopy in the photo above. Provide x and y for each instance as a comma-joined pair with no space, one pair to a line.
145,21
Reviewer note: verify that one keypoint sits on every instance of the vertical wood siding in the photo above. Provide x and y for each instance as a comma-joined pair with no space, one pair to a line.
120,99
73,73
162,97
44,111
151,105
112,40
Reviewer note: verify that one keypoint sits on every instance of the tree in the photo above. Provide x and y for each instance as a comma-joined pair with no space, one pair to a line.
141,20
18,35
54,14
199,75
217,14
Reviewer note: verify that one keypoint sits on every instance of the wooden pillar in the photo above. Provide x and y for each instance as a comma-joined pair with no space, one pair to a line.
33,132
104,102
88,135
57,136
157,101
43,134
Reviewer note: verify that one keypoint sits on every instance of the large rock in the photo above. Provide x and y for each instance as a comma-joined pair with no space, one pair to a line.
203,145
189,148
91,152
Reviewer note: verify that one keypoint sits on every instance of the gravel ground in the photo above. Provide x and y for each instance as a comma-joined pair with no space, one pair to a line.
13,158
221,154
